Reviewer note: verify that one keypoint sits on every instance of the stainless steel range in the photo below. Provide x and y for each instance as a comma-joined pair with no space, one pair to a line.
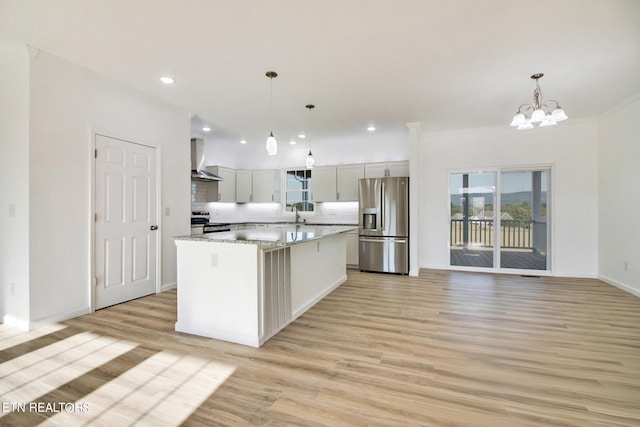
200,224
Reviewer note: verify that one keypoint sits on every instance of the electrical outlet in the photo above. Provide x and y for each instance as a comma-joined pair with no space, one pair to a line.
12,211
167,211
214,260
626,265
13,289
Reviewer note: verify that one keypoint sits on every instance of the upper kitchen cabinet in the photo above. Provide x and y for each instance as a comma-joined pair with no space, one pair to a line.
380,170
225,190
244,186
348,176
398,168
324,184
336,183
266,186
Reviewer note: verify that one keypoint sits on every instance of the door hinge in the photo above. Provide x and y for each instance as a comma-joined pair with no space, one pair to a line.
95,281
95,153
95,217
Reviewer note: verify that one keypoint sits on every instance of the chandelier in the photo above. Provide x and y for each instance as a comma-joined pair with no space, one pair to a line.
540,113
272,144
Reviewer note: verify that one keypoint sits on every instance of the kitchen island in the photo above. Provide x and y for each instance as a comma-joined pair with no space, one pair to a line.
244,286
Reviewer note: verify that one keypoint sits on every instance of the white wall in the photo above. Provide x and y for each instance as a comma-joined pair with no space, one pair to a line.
619,202
14,187
571,149
67,104
366,149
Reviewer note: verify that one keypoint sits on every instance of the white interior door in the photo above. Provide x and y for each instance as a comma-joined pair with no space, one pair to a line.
125,222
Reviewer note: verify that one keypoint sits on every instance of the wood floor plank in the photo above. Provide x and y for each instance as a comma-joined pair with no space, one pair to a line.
443,349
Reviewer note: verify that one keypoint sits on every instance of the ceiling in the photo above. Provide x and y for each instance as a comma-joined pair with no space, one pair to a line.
449,64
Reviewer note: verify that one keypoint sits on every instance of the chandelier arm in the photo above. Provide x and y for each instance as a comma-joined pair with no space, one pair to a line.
529,107
551,100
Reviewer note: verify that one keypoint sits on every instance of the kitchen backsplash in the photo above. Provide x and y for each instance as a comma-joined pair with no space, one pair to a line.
326,213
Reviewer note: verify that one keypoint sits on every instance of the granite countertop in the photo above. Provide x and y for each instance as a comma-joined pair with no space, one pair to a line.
280,236
308,223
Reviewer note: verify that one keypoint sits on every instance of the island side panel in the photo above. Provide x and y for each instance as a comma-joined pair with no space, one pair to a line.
317,268
218,291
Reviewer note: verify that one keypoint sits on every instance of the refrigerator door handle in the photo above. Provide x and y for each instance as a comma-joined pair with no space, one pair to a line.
382,206
392,240
373,240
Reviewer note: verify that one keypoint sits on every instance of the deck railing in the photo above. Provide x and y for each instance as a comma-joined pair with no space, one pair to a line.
514,233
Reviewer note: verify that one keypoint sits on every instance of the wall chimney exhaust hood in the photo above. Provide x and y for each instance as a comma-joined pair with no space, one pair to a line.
197,162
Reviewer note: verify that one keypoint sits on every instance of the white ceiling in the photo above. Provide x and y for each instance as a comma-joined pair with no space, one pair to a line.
449,64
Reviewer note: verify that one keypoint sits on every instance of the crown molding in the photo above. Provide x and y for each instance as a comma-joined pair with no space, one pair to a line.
632,99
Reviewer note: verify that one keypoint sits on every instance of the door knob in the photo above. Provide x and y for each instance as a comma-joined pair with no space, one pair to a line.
153,227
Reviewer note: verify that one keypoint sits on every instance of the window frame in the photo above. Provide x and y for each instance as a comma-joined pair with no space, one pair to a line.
309,191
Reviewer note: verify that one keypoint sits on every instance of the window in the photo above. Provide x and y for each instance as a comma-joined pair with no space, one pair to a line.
298,190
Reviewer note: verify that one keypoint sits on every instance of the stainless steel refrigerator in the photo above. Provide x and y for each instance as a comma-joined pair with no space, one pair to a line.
383,224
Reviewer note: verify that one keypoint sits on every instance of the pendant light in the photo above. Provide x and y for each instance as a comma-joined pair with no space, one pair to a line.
310,161
272,144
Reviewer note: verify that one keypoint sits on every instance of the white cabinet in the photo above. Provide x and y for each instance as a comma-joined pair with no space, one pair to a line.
257,186
375,170
266,186
336,183
352,249
398,168
323,180
348,176
380,170
244,186
225,190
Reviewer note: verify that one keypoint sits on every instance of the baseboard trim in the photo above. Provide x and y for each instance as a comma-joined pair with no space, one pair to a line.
237,338
48,320
620,285
168,286
317,298
15,322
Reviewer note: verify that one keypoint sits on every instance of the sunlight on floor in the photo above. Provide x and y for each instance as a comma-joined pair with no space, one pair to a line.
162,389
10,336
38,372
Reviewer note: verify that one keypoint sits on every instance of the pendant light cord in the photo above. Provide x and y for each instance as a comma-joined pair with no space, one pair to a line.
309,107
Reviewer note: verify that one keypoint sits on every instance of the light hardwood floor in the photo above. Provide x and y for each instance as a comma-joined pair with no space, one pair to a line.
442,349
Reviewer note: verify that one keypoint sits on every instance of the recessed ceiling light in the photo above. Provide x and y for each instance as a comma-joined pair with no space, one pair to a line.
206,128
302,136
243,142
166,80
292,142
371,128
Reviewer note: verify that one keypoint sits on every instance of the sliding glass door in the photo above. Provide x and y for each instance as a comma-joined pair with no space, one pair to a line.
471,201
524,232
500,219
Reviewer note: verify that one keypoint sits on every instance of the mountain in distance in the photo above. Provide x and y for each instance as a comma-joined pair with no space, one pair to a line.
507,199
